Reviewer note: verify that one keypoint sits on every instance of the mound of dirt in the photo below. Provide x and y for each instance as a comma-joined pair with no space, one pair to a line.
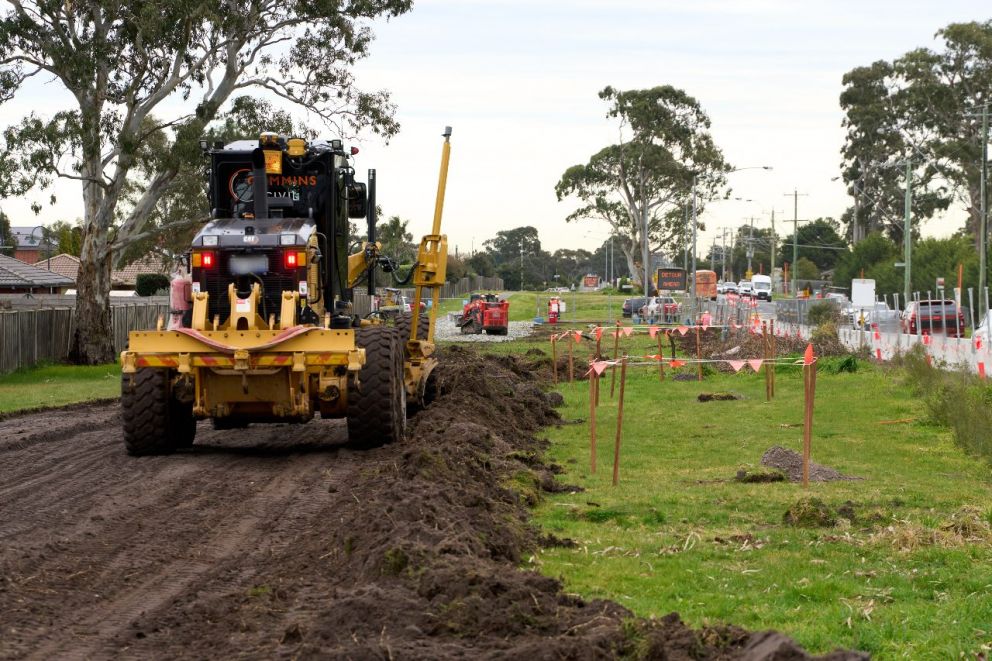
791,463
717,397
809,513
752,477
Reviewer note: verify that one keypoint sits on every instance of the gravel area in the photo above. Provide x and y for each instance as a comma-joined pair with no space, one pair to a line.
447,331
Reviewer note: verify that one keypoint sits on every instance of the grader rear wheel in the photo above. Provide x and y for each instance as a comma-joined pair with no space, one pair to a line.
154,423
405,321
377,407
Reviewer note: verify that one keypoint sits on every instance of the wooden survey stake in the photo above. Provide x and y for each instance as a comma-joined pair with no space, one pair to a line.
554,359
593,396
616,444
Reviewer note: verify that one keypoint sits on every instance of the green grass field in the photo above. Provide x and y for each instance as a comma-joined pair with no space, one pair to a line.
57,385
679,534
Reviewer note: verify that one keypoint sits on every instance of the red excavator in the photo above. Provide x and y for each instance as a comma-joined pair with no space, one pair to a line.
485,312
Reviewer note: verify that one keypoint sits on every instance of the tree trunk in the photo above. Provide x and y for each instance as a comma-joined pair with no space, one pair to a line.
93,340
636,273
974,222
93,343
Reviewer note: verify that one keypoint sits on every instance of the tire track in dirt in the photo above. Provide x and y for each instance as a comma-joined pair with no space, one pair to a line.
93,540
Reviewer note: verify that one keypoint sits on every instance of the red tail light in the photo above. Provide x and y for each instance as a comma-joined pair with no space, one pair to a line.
289,259
207,260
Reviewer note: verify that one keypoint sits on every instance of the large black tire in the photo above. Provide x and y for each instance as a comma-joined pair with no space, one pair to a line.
154,423
405,321
377,407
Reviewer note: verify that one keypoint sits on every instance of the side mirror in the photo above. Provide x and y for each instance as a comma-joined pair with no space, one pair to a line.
358,200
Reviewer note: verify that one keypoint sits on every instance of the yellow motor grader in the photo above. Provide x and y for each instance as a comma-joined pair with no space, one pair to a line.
264,330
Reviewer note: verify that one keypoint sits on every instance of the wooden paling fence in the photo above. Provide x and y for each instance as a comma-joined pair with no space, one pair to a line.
32,336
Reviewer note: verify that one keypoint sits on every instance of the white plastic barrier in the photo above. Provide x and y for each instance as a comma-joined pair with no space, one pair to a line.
972,354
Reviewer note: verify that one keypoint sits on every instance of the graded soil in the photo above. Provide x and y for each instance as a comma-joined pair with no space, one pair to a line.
280,541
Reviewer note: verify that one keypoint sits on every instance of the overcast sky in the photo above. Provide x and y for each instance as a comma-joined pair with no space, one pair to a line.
518,81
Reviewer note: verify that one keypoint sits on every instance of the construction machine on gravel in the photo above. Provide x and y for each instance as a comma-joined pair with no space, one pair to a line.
264,329
485,312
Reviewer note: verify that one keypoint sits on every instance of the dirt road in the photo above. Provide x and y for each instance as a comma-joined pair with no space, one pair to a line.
280,541
94,542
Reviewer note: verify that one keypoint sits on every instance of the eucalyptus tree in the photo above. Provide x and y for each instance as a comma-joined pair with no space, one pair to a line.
647,178
144,79
922,107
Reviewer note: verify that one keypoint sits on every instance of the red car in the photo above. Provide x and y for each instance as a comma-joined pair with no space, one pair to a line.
933,317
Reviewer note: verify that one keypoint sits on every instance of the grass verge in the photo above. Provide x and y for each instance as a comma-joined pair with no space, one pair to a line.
57,385
680,534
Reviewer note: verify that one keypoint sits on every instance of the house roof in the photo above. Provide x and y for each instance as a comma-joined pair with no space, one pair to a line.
29,237
68,266
64,264
128,275
18,275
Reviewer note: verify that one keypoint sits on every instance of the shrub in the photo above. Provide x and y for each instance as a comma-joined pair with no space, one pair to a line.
957,400
822,313
149,284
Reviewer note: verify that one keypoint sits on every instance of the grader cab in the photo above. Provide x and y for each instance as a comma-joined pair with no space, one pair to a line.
264,330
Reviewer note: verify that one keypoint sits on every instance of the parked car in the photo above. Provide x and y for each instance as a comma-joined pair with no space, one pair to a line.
632,304
933,317
664,308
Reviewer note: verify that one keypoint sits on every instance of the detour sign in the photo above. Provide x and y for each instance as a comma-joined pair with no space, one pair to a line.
671,279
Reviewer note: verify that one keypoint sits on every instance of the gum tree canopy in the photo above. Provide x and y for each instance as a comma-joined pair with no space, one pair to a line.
664,141
924,106
145,78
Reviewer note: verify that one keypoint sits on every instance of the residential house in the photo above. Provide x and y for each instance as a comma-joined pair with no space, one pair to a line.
16,277
30,246
123,279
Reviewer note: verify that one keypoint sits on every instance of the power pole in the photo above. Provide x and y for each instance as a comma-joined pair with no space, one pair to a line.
750,245
521,266
723,254
771,269
984,243
795,233
685,251
695,288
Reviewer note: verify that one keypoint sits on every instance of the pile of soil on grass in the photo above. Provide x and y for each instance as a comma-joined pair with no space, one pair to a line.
791,463
754,477
809,513
541,362
717,397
